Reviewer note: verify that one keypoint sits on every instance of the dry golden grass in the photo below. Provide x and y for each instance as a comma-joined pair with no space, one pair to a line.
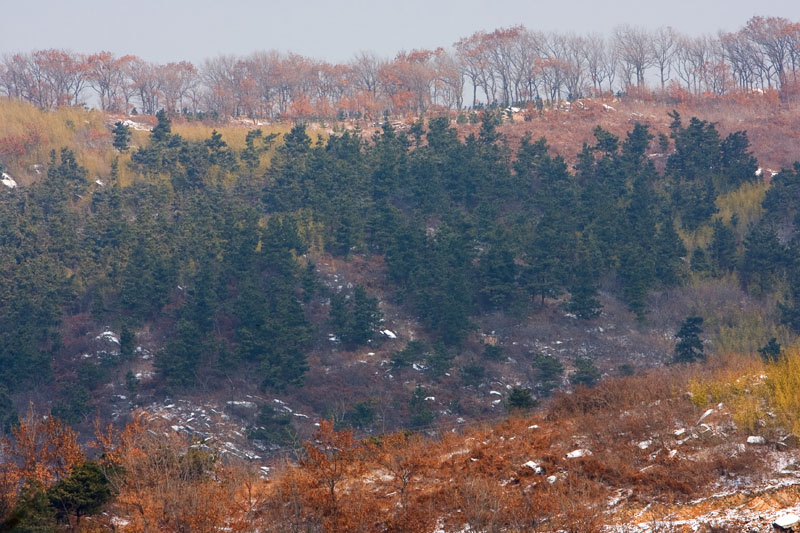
28,134
757,393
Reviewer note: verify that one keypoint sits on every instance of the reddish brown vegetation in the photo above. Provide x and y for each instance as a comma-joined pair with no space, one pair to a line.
514,476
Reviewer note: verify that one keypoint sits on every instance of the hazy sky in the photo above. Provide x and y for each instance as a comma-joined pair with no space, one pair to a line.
334,30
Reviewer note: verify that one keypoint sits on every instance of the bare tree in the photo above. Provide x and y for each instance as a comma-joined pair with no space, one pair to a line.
449,82
526,52
175,81
575,56
774,36
595,57
635,52
365,68
665,41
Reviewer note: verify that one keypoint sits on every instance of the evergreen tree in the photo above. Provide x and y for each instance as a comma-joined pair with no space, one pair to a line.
355,320
180,360
737,164
122,136
585,373
520,399
548,373
699,261
497,277
765,258
722,249
421,414
127,342
771,351
272,428
8,414
583,287
790,307
670,253
689,347
32,514
83,493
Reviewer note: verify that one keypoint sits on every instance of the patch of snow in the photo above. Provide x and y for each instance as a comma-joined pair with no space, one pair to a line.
644,444
552,479
608,107
759,171
136,125
679,432
580,452
536,467
100,183
8,181
430,398
786,521
672,454
418,367
704,416
389,333
108,336
756,439
535,426
495,393
237,403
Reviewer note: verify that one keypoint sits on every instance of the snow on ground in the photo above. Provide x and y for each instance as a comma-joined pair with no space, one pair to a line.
109,336
138,126
8,181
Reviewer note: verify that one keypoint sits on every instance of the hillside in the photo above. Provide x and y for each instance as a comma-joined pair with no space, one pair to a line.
232,289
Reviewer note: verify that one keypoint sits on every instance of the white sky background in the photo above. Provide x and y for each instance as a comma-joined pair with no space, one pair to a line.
334,30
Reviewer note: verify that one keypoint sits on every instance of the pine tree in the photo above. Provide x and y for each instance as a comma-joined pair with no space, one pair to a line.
122,136
520,399
583,287
421,414
771,351
689,347
83,493
722,249
586,373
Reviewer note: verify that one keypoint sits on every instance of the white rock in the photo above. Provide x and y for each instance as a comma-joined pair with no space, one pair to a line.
248,405
786,521
108,336
8,181
704,415
580,452
536,467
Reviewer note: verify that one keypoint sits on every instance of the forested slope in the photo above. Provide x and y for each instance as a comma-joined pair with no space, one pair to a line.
414,278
